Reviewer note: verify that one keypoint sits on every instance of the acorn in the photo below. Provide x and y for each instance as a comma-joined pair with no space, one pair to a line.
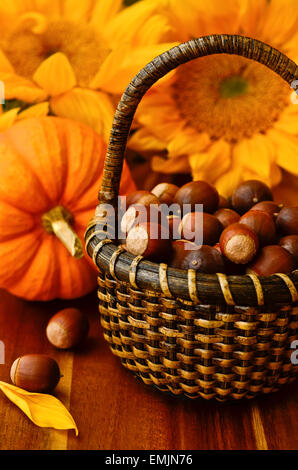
204,259
165,192
224,203
262,224
270,260
142,197
174,224
287,221
146,239
198,192
250,193
239,243
138,213
290,243
193,222
231,269
271,207
35,373
227,216
67,328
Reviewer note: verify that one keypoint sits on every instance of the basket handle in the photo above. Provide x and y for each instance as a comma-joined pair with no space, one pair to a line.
160,66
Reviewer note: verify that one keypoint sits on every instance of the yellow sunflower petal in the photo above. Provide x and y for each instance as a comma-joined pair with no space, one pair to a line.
286,150
187,142
160,116
288,121
55,75
229,181
104,11
76,10
124,26
171,165
38,110
51,8
7,119
123,64
32,21
5,65
210,165
255,154
90,107
144,141
156,30
20,88
279,21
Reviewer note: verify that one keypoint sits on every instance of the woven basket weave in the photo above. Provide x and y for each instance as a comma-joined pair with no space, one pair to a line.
199,335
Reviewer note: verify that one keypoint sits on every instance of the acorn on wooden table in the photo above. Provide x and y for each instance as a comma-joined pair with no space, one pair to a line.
35,373
67,328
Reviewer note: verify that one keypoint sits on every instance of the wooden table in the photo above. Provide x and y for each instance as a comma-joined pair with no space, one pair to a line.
116,411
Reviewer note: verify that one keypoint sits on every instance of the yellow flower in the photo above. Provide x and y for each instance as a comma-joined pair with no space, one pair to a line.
224,118
69,57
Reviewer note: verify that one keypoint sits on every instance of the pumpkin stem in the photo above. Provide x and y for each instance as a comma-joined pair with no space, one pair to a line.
58,222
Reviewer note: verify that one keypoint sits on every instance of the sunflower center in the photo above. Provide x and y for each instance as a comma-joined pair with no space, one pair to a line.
233,87
229,97
81,44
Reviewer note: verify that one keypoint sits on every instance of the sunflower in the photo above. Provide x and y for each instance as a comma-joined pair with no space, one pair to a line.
223,118
68,57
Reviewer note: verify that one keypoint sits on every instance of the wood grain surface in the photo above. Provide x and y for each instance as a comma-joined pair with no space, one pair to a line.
116,411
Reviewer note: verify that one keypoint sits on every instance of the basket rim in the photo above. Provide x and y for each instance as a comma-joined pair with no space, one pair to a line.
200,288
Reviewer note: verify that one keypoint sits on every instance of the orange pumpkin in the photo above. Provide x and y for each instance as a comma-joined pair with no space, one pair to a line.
50,171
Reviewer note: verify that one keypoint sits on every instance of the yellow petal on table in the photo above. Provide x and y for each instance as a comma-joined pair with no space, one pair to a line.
103,12
38,110
123,64
8,119
90,107
45,411
17,87
55,75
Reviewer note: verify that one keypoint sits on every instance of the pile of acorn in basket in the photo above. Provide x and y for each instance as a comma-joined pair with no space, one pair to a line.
249,233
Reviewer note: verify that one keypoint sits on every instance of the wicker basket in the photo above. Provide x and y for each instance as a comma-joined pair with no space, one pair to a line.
210,336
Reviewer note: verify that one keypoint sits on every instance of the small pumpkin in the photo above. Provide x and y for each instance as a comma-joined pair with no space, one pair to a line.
50,173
